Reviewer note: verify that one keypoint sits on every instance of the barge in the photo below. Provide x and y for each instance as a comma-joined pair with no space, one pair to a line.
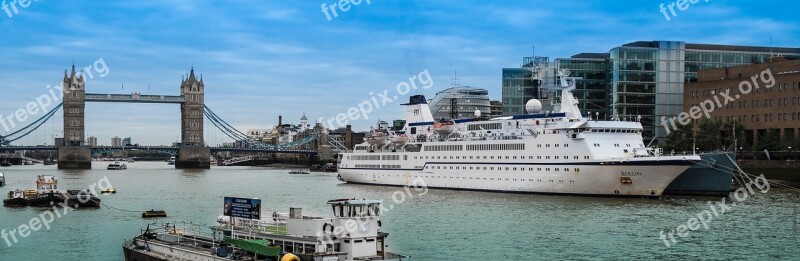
47,194
352,233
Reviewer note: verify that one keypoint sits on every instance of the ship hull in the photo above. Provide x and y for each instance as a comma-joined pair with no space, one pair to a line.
712,176
633,179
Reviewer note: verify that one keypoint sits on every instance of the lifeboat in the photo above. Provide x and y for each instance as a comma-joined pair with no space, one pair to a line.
377,136
399,138
444,126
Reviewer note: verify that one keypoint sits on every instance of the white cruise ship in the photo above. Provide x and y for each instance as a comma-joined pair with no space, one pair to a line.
561,152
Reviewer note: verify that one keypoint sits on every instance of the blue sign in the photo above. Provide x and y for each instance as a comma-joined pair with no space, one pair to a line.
249,208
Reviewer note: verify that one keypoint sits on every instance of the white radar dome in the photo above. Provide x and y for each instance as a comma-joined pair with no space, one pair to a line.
533,106
477,113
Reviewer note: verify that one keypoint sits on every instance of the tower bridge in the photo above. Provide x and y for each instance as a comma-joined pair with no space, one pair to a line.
191,152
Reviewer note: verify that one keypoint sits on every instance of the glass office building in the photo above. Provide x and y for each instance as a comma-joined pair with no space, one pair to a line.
647,77
593,89
642,78
519,86
460,103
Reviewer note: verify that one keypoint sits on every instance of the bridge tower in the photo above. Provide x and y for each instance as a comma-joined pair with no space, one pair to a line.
193,153
73,154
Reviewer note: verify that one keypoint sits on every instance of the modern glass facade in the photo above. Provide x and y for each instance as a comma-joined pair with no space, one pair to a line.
642,78
519,86
647,77
593,89
460,103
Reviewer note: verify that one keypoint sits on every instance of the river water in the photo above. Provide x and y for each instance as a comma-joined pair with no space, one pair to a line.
437,225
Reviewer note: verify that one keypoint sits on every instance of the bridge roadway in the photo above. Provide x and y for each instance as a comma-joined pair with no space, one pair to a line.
170,149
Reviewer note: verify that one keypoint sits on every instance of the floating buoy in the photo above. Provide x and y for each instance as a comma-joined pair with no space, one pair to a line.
108,190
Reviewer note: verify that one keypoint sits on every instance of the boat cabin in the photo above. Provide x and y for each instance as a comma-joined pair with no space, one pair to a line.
46,184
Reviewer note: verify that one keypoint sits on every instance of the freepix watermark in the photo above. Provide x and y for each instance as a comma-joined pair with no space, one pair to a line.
43,220
364,108
48,100
715,210
719,100
342,5
681,4
11,7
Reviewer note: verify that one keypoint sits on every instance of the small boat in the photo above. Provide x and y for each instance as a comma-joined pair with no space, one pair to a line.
154,214
5,164
299,171
49,163
117,166
131,161
171,161
108,190
2,179
28,163
15,198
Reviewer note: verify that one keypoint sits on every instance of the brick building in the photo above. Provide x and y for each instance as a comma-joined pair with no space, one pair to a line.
761,110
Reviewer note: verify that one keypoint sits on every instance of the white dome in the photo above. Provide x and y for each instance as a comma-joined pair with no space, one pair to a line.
533,106
477,113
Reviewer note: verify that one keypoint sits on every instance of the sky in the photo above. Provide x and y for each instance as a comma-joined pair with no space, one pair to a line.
261,59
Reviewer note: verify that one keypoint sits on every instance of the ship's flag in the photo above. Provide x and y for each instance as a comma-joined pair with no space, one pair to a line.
767,152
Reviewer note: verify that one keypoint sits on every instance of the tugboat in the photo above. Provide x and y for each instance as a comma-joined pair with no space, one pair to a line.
117,166
46,193
5,164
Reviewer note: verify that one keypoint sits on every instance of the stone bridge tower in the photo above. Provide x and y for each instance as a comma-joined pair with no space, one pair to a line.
193,152
72,154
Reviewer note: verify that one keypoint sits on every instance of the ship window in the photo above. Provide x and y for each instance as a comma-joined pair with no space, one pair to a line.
547,157
538,157
556,145
538,169
547,169
414,130
557,169
556,157
566,145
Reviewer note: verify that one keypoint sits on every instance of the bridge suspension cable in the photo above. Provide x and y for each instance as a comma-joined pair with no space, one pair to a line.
237,135
5,140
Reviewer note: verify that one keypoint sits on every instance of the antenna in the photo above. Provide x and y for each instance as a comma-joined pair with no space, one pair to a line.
456,82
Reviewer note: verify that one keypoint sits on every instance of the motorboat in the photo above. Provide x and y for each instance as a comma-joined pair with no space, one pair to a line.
117,166
2,179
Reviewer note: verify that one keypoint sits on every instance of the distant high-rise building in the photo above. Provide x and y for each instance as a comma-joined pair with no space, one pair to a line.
91,141
116,142
127,141
460,103
644,78
495,109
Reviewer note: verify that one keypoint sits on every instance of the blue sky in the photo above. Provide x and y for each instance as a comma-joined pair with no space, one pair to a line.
260,59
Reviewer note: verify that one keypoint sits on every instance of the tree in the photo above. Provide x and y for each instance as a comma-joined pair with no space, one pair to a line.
771,141
680,139
727,135
708,136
